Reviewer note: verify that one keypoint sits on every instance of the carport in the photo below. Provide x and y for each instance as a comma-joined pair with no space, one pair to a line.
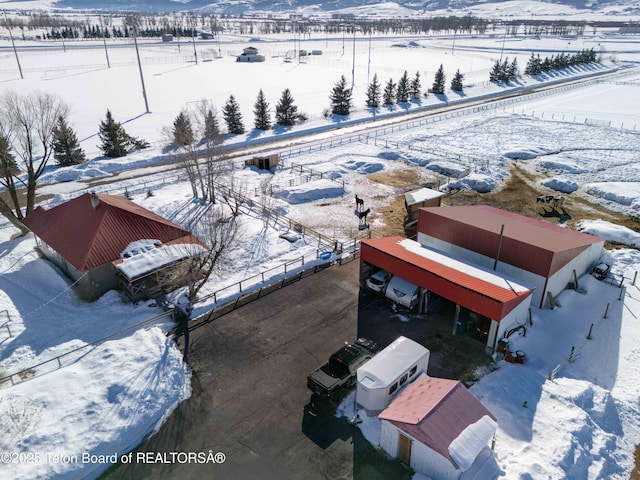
479,290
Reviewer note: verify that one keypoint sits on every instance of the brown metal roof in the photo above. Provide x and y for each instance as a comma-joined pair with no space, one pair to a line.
435,411
87,237
477,228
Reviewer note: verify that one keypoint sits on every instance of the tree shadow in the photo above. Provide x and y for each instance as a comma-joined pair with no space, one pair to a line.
279,129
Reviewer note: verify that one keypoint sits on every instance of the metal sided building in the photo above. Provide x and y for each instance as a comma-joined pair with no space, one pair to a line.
477,289
540,254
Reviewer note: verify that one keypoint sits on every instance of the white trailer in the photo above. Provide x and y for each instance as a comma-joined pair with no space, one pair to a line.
384,376
403,292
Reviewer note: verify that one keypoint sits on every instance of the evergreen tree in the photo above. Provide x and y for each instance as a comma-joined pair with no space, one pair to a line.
262,117
456,82
439,81
286,111
415,87
513,71
115,141
340,98
232,116
212,128
402,90
66,149
533,65
373,93
494,74
182,130
389,94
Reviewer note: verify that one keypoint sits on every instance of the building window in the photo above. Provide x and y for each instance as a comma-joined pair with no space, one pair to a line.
413,371
403,378
393,388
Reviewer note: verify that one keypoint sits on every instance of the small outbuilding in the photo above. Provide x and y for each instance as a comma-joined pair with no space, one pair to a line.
250,54
414,201
437,427
264,162
383,377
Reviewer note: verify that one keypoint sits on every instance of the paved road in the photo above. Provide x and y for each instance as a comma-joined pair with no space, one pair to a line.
249,392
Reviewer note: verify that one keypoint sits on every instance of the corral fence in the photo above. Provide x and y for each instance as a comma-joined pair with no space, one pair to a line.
73,355
615,280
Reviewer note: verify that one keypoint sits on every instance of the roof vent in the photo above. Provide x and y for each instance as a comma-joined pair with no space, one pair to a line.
95,201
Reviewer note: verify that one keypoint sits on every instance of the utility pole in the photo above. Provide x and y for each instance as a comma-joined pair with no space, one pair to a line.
144,90
104,26
14,45
353,61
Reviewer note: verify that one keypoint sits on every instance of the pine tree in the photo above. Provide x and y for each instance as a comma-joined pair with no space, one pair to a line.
513,71
340,98
402,91
373,93
439,81
262,117
115,141
182,130
286,111
66,149
456,82
415,87
389,95
494,74
212,128
232,116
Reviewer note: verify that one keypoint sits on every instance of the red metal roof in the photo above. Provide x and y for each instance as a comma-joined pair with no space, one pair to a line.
435,411
477,228
88,237
472,287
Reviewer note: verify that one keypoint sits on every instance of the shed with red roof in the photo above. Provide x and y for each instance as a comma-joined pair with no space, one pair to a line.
437,427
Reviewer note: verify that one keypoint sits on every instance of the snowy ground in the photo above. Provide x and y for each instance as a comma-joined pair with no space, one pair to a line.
106,410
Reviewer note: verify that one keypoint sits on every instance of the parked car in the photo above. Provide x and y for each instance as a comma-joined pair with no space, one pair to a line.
601,271
378,281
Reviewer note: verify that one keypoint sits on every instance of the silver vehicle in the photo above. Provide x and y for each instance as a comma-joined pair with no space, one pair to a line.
378,281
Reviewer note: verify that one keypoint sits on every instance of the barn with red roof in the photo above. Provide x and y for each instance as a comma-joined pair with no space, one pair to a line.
542,255
93,236
491,264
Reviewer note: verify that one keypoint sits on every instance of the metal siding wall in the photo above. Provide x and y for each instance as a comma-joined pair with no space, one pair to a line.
432,464
518,316
529,279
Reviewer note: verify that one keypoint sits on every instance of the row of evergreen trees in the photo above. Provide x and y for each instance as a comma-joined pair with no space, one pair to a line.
505,71
536,66
97,31
115,141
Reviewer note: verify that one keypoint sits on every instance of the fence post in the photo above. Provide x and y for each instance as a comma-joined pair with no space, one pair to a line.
573,349
606,310
590,330
622,290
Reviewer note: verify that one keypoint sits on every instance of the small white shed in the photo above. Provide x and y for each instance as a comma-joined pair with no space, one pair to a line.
382,377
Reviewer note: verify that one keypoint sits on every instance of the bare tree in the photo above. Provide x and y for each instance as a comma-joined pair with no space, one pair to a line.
217,229
28,124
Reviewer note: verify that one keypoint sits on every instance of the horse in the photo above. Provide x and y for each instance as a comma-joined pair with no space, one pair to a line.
364,214
359,202
557,202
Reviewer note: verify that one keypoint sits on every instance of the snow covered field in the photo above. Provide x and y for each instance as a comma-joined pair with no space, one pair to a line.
582,425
